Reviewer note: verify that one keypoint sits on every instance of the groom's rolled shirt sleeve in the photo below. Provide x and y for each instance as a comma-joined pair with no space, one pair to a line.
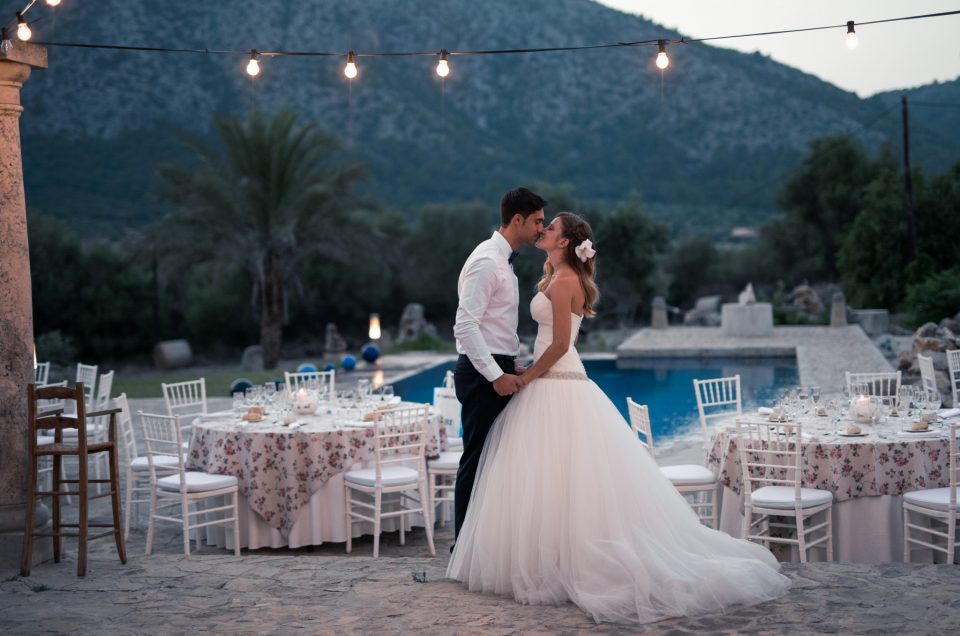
477,286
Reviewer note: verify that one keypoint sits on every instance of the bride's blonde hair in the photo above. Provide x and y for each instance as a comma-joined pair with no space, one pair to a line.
576,231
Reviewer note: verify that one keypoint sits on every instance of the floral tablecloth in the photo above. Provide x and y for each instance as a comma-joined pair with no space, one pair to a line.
884,462
280,468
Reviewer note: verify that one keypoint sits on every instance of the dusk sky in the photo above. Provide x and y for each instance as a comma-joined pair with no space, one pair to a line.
890,56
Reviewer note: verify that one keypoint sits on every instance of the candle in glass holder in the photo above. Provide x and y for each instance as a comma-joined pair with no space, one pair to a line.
861,408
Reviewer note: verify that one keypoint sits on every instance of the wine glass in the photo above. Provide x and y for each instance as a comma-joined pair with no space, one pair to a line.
386,392
803,397
269,392
904,397
934,401
815,394
238,401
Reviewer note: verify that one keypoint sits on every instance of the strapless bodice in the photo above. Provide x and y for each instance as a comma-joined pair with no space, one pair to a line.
542,311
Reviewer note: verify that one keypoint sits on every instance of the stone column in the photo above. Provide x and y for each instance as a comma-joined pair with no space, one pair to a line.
658,317
838,310
16,316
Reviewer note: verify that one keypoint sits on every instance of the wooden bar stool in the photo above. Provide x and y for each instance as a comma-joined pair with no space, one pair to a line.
81,450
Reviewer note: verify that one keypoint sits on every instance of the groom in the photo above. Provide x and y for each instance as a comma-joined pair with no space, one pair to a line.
486,332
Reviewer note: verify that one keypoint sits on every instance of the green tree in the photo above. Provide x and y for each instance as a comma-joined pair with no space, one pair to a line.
441,239
690,267
873,255
628,243
820,202
271,195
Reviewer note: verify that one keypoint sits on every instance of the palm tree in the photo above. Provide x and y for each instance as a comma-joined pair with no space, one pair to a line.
271,195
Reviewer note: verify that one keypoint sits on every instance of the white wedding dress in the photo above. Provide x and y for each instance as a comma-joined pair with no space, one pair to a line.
568,505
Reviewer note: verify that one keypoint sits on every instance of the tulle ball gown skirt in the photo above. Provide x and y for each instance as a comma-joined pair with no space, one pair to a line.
568,506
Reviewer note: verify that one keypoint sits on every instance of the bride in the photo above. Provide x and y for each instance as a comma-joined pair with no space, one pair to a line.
569,506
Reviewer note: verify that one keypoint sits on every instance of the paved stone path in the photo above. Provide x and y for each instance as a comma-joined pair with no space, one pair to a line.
328,592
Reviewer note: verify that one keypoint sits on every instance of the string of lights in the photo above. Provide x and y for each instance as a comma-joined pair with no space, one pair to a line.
443,67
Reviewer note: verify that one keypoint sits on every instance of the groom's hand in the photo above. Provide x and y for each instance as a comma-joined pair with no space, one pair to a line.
506,384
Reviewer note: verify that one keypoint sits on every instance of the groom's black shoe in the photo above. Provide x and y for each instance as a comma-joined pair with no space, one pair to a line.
452,547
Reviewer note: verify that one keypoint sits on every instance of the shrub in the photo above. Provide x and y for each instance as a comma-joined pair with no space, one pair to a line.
935,297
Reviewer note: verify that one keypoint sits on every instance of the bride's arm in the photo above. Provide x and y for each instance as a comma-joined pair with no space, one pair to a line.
561,297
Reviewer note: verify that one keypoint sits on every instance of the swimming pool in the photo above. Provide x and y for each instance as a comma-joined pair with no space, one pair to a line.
666,386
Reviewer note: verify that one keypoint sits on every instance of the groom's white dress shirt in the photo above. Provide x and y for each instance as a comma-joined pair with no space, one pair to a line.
489,306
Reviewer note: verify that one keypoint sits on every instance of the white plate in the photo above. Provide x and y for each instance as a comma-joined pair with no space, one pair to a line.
926,431
851,434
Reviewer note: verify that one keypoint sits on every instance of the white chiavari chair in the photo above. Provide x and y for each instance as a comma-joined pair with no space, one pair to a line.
399,468
87,373
953,374
325,381
42,374
182,488
773,488
881,384
716,398
188,400
928,376
137,489
939,506
697,484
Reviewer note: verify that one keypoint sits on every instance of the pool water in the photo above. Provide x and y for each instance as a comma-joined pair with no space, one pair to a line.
666,386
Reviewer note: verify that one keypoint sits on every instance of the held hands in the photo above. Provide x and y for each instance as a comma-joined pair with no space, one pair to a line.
507,384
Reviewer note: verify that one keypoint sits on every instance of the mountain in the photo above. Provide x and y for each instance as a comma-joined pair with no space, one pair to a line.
707,143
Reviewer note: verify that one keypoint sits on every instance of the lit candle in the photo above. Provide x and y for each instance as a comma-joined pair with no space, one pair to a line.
861,408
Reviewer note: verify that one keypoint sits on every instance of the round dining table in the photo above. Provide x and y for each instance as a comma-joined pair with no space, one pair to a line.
291,476
867,474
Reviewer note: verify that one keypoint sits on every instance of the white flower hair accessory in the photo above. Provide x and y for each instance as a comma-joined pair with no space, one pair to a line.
585,250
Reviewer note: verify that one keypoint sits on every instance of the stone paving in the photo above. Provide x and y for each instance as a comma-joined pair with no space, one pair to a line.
325,591
823,354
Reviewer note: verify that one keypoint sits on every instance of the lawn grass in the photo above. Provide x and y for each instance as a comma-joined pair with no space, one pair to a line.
218,381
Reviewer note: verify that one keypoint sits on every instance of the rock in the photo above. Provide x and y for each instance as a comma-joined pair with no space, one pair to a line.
933,340
658,318
413,324
838,310
927,330
252,359
906,360
952,325
806,301
706,312
926,345
172,354
333,342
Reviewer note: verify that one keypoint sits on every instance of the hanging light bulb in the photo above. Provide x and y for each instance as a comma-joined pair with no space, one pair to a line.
23,29
662,60
852,40
350,70
253,66
53,3
443,69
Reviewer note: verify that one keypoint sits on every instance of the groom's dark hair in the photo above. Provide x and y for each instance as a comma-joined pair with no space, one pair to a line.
519,201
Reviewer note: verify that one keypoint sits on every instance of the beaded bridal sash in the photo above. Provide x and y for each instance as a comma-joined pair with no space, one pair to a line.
564,375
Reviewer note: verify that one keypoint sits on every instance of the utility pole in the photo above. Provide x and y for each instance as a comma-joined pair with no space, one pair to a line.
908,183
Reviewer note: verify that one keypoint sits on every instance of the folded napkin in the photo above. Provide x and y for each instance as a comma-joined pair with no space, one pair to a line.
764,410
947,414
218,415
931,434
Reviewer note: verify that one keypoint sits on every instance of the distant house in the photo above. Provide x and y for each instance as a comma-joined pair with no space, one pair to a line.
744,234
